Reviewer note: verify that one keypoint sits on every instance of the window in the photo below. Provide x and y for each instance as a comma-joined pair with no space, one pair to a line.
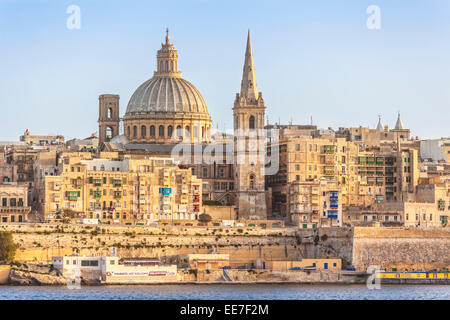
89,263
161,131
251,123
252,182
169,131
135,131
143,131
205,172
12,202
152,131
187,131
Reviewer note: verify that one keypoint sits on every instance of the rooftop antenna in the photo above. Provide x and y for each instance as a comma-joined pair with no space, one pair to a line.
311,121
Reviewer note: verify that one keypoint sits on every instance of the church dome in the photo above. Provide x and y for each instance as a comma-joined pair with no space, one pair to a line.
169,93
167,108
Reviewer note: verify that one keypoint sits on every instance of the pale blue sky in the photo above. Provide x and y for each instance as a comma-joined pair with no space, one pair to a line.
312,58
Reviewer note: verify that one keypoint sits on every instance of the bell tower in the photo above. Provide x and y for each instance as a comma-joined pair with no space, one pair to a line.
249,149
108,117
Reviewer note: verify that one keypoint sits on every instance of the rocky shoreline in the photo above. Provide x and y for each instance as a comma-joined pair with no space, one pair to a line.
35,275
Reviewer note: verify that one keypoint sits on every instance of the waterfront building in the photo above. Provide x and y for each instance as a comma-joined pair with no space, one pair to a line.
208,261
14,202
127,191
315,204
110,270
316,264
303,159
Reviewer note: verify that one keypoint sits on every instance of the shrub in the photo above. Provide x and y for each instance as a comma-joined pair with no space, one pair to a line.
7,247
212,203
324,237
205,218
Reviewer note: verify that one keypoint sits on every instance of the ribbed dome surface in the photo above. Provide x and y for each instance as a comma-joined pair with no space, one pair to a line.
166,94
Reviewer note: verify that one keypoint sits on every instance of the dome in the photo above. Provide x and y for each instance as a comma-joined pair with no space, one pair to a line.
167,108
166,94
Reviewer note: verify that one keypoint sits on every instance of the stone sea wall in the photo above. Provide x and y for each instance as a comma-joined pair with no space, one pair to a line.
402,249
39,242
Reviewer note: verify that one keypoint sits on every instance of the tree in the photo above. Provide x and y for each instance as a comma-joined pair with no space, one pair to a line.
204,218
7,247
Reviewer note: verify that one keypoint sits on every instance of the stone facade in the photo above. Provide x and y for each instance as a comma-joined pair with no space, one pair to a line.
14,203
122,191
248,115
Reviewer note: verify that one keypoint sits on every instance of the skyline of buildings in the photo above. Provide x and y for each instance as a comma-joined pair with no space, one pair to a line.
298,174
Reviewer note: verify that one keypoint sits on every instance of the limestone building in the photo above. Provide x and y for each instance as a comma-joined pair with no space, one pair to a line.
14,202
122,191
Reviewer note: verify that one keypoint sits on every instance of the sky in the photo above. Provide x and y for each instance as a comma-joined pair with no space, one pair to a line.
312,59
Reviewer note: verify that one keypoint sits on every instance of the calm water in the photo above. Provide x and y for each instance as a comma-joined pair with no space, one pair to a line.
228,292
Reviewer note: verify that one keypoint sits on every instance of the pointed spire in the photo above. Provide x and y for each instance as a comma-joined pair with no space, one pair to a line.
248,84
379,125
399,124
167,36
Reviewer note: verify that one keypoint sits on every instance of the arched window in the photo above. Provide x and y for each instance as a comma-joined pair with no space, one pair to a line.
143,131
110,112
171,66
135,133
167,66
252,182
251,123
179,133
161,131
187,131
109,133
128,131
203,132
152,131
169,131
161,67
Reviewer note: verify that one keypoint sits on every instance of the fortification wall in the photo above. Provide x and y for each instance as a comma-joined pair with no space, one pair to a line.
403,249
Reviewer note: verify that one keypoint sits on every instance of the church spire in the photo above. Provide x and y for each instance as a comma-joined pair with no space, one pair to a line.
380,125
399,124
248,84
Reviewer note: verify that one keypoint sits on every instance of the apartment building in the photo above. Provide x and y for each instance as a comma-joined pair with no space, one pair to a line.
14,202
315,204
125,191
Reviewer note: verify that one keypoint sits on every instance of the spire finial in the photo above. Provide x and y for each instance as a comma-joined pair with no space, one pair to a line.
248,84
379,125
399,124
167,36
